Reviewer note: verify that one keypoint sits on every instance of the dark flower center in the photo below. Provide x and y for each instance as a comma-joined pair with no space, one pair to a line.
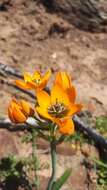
57,110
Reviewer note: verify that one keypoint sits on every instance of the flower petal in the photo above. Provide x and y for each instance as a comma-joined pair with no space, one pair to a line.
46,76
42,85
43,99
32,85
63,79
19,117
66,126
59,95
43,113
71,94
44,80
26,107
58,79
22,84
10,114
74,108
27,77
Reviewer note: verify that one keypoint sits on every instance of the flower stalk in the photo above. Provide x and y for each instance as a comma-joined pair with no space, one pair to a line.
53,161
35,159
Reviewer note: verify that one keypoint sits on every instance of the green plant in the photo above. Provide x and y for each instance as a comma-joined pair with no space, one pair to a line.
10,166
101,125
77,137
101,168
50,119
12,173
32,163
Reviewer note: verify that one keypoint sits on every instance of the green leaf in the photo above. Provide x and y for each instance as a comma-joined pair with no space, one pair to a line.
100,163
101,124
59,183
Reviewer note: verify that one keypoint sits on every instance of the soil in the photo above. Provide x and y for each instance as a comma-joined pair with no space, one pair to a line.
32,39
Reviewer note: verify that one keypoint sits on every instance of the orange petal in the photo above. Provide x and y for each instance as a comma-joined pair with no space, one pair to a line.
29,80
22,84
32,85
74,108
58,94
15,104
42,85
71,94
46,76
25,106
66,126
63,79
43,113
19,117
43,99
44,80
58,79
27,77
10,114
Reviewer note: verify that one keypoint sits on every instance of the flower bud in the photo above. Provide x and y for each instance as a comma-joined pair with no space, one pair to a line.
19,111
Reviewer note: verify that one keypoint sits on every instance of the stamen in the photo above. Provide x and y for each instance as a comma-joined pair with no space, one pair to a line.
57,110
37,81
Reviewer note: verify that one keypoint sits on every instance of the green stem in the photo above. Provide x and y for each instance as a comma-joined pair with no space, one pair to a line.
53,160
35,159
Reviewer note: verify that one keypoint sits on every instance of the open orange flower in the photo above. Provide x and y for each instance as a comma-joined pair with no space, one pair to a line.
19,111
57,108
35,81
63,79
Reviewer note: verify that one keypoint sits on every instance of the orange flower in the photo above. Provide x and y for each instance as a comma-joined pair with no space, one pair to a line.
57,108
19,111
35,81
66,126
63,79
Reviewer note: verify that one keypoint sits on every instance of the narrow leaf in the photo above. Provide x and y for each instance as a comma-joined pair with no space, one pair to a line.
59,183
